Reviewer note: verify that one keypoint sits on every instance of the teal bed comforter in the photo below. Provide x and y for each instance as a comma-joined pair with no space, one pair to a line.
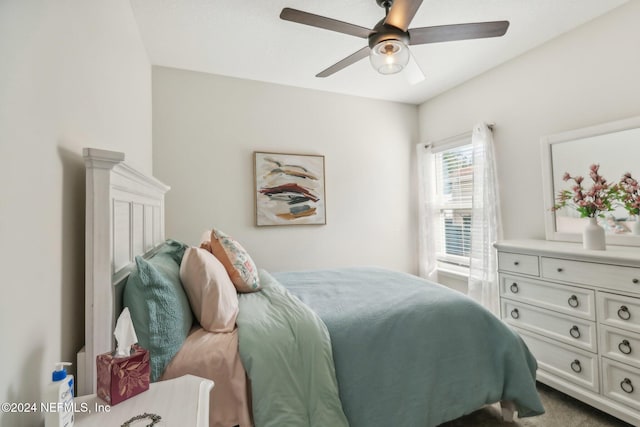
286,351
406,352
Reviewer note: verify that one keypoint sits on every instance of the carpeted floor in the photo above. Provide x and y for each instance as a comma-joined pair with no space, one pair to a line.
561,411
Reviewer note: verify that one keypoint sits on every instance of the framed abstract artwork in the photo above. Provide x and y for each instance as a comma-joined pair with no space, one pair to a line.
289,189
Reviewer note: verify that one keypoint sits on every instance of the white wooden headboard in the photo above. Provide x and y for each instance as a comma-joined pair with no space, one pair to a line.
124,218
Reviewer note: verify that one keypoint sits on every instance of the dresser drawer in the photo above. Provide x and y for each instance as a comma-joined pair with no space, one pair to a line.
621,383
562,298
587,273
571,330
618,310
623,346
518,263
577,366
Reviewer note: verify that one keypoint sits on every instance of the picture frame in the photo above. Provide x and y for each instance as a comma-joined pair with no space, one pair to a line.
289,189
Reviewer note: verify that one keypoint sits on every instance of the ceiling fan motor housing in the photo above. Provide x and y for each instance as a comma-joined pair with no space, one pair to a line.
382,32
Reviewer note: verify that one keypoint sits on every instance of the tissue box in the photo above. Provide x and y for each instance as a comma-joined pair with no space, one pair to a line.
120,378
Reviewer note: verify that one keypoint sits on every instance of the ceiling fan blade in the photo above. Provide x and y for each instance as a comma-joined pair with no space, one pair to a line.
446,33
402,12
307,18
413,72
351,59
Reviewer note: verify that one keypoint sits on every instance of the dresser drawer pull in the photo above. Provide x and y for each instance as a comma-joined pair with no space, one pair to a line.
624,347
516,263
574,332
559,269
515,313
514,288
635,281
626,385
576,367
573,301
623,313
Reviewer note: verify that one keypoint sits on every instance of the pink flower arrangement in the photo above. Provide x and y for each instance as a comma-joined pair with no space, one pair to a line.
589,202
629,194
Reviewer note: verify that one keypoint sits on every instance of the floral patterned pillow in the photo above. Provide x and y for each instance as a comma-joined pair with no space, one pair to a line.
236,261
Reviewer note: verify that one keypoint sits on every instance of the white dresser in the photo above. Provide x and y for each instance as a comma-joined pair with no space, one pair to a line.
579,313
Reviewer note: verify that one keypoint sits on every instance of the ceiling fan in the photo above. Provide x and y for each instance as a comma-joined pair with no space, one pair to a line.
389,39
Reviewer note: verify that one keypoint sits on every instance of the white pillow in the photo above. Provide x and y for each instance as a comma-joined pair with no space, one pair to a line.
211,293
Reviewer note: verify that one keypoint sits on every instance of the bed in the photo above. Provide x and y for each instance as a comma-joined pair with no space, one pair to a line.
355,346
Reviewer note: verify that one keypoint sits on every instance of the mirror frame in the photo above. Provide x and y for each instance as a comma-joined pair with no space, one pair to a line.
547,142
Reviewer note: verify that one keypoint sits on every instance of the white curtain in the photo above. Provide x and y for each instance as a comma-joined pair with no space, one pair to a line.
486,225
427,214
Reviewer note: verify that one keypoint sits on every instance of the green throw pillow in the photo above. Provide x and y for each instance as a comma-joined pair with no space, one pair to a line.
174,249
159,307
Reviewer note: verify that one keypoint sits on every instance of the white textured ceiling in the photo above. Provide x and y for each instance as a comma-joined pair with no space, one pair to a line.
247,39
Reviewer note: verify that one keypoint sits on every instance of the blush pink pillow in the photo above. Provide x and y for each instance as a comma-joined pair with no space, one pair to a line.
211,294
236,261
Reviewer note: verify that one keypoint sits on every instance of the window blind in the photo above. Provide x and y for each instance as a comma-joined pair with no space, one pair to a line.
454,192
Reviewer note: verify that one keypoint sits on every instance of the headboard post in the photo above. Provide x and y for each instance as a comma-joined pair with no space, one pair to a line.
124,218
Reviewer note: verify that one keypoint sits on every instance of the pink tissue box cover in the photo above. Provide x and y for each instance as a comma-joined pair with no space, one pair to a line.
120,378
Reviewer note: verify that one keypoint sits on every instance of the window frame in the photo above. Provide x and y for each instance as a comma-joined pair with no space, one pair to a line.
456,264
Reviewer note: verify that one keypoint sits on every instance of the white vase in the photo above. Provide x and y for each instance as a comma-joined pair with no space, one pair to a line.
593,236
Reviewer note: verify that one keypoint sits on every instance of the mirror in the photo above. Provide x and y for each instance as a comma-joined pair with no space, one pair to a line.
615,147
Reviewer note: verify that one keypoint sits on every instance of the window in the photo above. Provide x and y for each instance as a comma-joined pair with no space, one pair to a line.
454,190
459,212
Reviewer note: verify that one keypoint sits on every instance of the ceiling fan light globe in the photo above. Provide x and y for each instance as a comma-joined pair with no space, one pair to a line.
389,69
389,56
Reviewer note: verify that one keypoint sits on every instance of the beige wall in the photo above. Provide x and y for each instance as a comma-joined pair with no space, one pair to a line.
585,77
75,74
206,128
72,74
